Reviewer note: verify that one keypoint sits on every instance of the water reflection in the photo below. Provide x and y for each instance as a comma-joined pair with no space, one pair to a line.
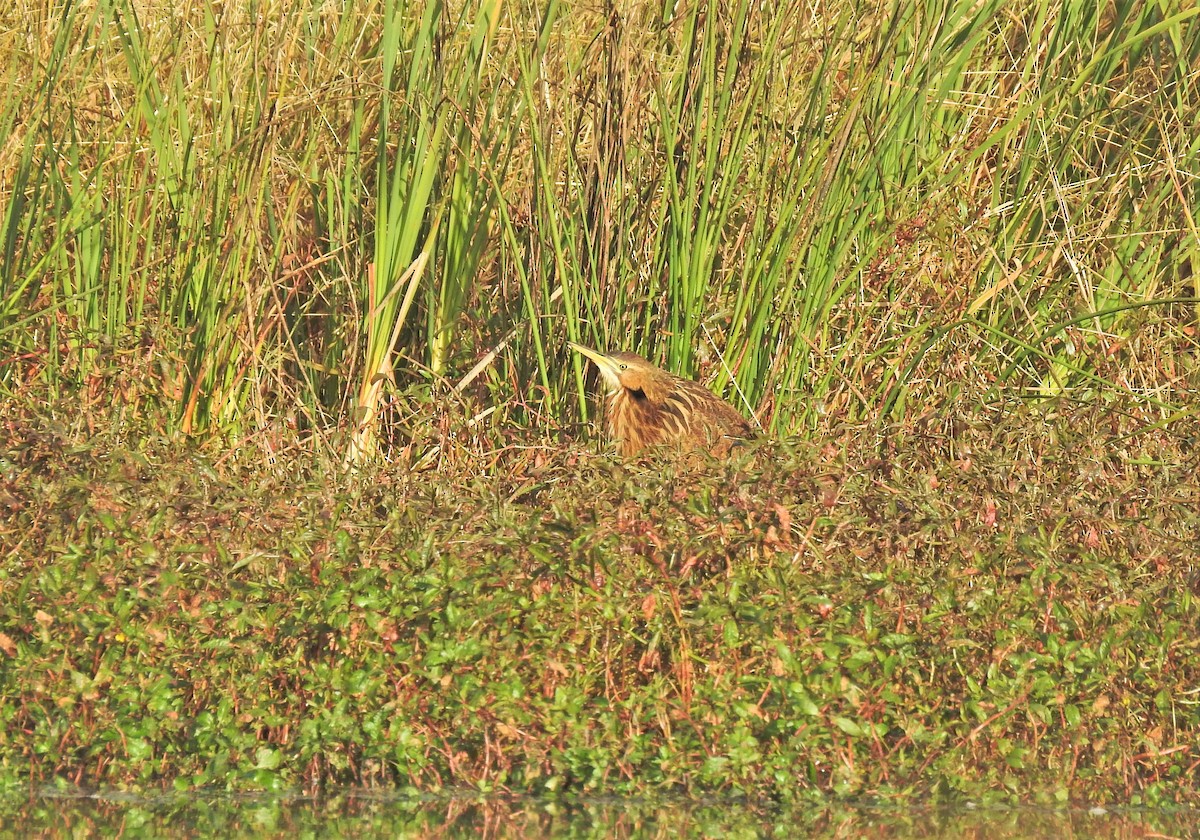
362,814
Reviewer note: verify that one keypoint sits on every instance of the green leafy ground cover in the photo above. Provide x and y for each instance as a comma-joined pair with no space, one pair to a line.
944,253
998,603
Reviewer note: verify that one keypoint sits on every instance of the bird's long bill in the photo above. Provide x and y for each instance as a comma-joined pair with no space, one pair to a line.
606,366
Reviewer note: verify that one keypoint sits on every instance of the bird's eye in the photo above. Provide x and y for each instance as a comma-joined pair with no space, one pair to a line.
624,367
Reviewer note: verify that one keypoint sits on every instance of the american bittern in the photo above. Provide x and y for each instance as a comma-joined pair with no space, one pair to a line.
648,406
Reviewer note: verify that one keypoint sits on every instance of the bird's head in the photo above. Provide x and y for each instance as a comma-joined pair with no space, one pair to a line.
627,371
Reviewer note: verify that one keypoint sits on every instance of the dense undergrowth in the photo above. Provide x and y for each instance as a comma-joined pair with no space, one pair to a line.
1000,603
295,475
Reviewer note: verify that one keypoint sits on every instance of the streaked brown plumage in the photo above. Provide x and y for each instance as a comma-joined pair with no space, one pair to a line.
648,406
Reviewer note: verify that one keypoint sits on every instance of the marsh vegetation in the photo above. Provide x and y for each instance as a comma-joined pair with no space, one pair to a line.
299,474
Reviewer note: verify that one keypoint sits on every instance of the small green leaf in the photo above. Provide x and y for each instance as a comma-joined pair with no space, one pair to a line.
848,726
267,759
